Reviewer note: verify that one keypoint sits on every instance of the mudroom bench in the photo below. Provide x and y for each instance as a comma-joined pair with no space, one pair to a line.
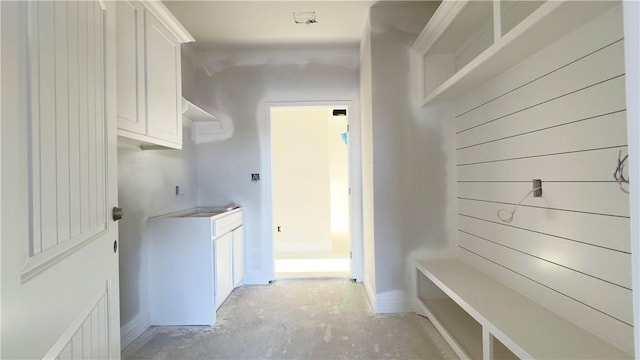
483,319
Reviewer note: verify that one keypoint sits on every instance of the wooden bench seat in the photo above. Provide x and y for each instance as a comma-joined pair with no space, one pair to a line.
472,311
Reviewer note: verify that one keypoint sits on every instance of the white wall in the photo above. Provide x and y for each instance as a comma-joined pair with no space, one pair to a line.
559,116
241,85
411,159
146,188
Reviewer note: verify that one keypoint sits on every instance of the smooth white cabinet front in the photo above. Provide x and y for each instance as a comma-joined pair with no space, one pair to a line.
130,66
224,267
164,91
238,256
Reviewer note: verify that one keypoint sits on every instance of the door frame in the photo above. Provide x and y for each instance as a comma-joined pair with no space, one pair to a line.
354,174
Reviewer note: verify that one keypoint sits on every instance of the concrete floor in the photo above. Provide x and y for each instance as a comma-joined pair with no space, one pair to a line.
297,319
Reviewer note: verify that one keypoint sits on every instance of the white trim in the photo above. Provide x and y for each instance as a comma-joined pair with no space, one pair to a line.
0,174
392,304
256,278
46,259
631,11
440,21
157,9
355,180
134,328
370,295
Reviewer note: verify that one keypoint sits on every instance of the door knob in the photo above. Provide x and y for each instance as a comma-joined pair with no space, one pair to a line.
117,213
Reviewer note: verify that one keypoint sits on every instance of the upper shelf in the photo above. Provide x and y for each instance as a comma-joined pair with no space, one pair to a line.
469,42
195,113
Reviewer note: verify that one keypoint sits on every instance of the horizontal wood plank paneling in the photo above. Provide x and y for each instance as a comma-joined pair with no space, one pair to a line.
604,297
603,65
597,198
611,266
560,167
569,249
610,329
604,98
609,232
595,133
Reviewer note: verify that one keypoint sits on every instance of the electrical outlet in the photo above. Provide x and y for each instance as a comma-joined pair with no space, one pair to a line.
537,188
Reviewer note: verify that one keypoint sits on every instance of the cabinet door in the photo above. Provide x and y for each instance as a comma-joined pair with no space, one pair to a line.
238,256
130,74
224,267
162,59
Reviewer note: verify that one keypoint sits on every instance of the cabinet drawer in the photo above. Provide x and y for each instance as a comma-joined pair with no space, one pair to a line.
224,224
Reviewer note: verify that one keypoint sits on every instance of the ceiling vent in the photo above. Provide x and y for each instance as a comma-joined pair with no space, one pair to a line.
305,17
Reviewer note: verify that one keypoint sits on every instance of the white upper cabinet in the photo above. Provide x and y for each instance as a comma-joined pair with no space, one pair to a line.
130,73
149,78
466,43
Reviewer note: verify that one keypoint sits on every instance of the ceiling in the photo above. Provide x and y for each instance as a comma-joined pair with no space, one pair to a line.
271,23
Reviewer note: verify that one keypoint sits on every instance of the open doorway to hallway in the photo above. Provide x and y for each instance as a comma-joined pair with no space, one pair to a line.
310,190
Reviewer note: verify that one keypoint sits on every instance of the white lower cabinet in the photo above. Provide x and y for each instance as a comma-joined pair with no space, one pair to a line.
192,264
238,256
223,248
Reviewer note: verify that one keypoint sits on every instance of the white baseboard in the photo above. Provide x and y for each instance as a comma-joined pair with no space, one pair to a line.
392,306
134,328
370,295
255,279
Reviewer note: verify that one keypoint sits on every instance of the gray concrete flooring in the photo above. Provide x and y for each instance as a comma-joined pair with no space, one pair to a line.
297,319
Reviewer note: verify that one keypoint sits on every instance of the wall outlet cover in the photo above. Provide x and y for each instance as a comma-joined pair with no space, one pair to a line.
537,188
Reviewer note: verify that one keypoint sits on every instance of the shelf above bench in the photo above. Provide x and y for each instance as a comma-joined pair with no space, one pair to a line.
528,330
467,43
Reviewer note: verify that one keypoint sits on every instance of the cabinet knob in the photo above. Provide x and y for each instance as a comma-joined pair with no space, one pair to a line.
117,213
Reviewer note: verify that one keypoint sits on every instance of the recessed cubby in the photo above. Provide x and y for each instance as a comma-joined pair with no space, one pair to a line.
513,12
466,43
501,352
450,318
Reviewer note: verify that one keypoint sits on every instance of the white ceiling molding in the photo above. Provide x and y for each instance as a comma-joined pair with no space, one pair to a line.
160,11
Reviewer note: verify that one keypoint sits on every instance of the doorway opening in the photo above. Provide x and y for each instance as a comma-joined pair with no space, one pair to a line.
310,191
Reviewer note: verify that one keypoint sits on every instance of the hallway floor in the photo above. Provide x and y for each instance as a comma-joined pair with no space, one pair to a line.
297,319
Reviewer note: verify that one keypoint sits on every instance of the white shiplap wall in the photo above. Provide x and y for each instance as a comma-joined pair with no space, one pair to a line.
559,116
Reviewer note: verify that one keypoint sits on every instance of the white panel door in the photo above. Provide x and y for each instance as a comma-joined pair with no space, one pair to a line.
59,257
164,90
